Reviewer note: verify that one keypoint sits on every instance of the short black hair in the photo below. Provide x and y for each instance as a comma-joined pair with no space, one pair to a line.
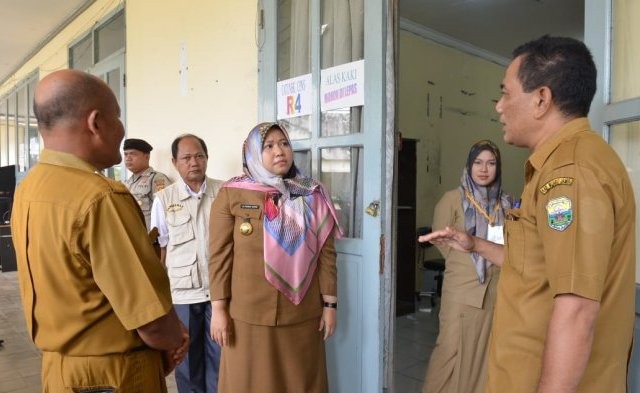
176,142
565,66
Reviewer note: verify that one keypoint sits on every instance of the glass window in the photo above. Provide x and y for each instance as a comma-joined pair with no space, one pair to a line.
294,55
342,30
113,80
22,129
3,133
302,159
625,139
110,37
341,171
32,127
11,129
80,55
625,50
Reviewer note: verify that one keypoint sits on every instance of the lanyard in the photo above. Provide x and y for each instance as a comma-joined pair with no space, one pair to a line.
490,219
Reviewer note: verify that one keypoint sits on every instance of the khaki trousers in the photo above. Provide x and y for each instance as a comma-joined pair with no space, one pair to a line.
132,372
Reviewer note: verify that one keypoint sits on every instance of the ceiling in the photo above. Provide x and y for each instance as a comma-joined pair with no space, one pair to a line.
27,24
497,26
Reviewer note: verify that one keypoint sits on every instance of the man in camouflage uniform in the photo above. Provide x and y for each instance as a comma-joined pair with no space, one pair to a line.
145,181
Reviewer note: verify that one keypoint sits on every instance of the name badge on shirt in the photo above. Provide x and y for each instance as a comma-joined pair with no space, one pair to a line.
495,234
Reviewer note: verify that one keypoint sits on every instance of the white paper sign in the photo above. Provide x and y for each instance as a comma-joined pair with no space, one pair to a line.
495,234
342,86
294,97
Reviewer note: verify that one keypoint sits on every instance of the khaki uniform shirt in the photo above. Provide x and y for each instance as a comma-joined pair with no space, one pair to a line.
461,283
182,219
143,186
574,233
87,270
236,265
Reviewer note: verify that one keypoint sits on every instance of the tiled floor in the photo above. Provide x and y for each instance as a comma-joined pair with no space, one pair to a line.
20,361
415,338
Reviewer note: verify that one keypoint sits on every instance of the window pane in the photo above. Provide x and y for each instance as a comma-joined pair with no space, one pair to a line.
11,129
3,133
80,56
110,37
625,139
32,127
342,30
625,50
22,129
113,80
303,161
341,172
294,55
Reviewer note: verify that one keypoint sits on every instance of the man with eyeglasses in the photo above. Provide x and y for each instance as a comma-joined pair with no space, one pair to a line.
180,212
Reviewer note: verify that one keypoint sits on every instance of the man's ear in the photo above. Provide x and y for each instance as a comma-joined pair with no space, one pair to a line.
92,121
544,101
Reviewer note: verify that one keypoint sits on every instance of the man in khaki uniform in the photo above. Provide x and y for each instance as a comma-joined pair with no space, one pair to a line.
564,315
95,297
145,181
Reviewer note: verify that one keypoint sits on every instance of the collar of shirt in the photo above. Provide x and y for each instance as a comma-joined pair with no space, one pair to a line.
146,172
187,192
541,154
59,158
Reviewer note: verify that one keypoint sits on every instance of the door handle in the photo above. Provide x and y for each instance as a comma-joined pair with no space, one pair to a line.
373,209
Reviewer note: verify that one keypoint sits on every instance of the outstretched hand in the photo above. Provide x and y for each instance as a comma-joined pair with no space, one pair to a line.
450,237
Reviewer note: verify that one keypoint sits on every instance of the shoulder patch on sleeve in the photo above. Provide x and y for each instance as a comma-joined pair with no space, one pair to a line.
559,213
565,181
160,182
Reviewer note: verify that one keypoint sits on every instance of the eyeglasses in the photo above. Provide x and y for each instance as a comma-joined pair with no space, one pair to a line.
187,158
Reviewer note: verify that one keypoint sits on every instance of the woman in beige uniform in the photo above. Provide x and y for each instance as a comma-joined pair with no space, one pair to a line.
272,268
458,362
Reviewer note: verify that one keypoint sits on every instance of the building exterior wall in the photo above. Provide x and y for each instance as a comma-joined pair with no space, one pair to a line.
214,95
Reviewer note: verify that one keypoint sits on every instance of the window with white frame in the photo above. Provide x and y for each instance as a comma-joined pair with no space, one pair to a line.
19,139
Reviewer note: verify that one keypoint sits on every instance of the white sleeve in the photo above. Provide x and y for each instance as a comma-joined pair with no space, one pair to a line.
158,220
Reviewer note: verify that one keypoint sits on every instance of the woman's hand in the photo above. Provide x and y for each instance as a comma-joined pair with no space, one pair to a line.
221,323
328,321
329,316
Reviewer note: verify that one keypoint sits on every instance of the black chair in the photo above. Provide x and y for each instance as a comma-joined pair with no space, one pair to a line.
434,265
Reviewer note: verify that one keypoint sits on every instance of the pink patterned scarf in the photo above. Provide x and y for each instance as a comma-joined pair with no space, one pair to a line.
298,218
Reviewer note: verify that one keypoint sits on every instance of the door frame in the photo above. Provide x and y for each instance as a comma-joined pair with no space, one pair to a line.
375,246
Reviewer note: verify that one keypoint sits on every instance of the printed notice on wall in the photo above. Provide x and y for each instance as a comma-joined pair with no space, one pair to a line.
294,97
342,86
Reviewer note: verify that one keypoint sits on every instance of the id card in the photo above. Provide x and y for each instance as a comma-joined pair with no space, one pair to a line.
495,234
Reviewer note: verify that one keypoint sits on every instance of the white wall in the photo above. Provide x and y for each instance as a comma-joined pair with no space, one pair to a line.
219,103
447,101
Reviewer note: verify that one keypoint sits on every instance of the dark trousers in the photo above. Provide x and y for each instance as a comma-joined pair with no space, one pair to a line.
198,372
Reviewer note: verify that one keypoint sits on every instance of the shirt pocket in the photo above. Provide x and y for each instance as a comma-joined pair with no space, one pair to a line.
184,277
515,241
180,229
